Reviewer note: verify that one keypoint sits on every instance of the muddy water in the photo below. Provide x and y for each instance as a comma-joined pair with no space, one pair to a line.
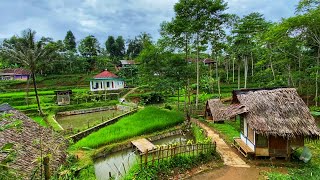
120,162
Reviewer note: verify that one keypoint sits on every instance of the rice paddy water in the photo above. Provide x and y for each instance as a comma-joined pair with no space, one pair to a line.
117,164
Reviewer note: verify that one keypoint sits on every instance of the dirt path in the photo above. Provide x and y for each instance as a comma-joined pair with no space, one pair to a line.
229,157
131,91
239,173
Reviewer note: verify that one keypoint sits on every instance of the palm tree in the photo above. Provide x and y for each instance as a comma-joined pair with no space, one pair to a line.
29,53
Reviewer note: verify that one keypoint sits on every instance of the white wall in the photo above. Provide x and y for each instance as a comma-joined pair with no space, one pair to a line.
102,85
244,137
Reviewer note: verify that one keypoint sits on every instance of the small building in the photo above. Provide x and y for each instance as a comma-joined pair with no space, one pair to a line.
106,81
25,142
275,122
208,62
14,74
63,97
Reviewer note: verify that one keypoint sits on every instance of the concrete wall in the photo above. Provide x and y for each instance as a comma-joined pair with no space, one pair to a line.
101,85
84,111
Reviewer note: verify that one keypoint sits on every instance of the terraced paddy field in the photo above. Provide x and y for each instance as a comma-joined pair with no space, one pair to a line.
83,121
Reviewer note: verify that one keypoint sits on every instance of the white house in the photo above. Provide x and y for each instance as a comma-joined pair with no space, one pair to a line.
106,81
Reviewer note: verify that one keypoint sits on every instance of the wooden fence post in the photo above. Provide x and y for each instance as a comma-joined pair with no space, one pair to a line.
46,168
146,158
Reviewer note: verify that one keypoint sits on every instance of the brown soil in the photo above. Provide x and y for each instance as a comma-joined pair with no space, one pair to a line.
236,166
227,173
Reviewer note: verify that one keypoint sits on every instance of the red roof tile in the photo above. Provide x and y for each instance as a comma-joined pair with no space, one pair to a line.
106,74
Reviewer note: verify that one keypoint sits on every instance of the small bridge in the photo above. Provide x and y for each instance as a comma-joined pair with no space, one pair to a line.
143,145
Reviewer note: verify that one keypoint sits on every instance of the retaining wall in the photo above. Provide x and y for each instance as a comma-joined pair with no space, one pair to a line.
129,144
84,111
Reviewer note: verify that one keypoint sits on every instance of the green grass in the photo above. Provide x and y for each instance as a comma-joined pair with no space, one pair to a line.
53,123
40,121
168,167
147,120
228,129
198,133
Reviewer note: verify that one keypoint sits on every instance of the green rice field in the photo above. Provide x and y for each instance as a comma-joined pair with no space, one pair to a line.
145,121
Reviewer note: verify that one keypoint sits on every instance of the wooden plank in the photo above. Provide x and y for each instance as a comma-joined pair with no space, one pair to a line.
143,145
243,146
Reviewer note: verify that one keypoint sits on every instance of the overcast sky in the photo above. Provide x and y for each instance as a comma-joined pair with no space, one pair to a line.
102,18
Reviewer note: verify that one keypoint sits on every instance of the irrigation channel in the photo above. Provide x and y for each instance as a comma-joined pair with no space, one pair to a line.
118,163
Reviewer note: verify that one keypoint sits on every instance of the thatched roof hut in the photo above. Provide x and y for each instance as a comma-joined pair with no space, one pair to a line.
217,111
28,140
278,112
275,122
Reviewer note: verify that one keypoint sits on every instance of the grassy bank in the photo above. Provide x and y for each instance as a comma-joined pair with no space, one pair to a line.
147,120
169,167
228,130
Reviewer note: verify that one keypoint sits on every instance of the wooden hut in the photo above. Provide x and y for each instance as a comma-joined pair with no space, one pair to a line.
218,112
276,121
63,97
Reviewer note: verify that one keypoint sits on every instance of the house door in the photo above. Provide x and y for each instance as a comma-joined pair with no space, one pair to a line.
277,146
112,85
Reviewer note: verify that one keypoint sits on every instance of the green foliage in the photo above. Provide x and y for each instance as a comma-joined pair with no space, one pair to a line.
198,133
71,170
70,42
228,129
40,120
147,120
14,124
163,170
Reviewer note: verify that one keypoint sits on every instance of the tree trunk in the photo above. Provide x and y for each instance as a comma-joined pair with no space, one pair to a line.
219,87
317,77
233,69
27,93
245,71
299,81
227,69
187,83
273,74
178,98
197,95
252,65
36,93
239,76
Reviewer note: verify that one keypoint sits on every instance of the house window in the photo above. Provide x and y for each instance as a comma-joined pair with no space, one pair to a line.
261,141
97,86
108,84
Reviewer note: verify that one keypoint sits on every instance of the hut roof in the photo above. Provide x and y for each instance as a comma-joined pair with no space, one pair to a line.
28,138
221,112
278,112
16,71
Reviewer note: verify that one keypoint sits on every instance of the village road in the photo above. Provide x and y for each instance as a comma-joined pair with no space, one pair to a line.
230,158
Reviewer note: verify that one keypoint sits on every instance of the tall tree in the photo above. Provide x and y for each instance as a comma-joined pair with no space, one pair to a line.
245,31
89,49
29,53
70,42
111,47
202,20
307,25
120,47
